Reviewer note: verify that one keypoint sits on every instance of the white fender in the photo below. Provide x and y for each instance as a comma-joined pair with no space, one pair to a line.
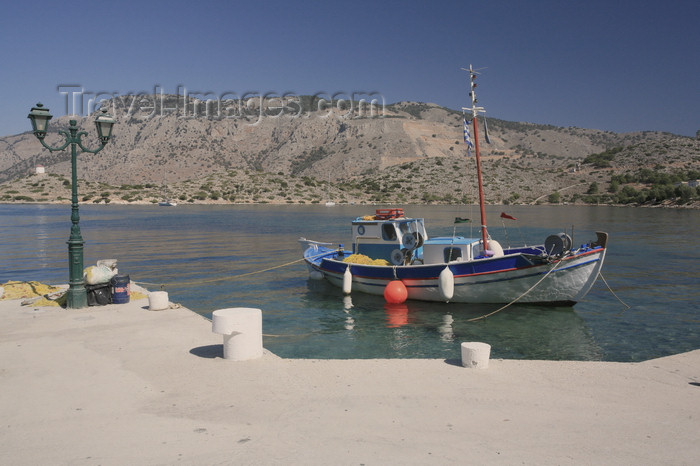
496,247
446,284
347,281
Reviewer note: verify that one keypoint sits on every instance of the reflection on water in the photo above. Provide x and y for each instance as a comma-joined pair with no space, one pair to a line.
418,329
204,256
396,315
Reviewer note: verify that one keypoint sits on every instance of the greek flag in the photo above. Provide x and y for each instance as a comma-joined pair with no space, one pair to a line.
468,138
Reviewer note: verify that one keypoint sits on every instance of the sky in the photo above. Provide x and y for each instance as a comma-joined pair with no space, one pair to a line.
622,65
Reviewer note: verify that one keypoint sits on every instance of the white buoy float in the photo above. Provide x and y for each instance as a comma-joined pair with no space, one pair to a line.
347,281
158,300
242,331
446,284
476,355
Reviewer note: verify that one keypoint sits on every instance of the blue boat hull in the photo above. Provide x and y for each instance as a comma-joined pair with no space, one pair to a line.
515,276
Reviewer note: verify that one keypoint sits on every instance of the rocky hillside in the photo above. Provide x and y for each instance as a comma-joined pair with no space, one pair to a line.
407,152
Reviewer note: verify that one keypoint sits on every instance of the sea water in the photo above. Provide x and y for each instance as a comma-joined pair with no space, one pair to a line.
211,257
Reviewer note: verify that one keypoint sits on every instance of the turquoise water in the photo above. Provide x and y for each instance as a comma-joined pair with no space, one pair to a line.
201,253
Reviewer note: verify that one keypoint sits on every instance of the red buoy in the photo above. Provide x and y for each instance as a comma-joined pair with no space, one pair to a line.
395,292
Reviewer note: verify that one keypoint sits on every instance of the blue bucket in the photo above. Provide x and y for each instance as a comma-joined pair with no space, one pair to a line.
121,289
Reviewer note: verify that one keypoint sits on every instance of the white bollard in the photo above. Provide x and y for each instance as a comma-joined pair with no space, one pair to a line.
476,355
242,331
158,300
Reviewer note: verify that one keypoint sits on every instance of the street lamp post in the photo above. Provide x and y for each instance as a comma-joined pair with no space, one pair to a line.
40,116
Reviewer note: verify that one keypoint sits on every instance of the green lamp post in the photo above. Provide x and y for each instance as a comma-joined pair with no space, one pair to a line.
40,116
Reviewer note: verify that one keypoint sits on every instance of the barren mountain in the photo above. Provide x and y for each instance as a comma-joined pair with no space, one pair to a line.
404,152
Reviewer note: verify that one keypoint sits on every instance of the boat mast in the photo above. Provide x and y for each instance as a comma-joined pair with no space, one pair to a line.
475,111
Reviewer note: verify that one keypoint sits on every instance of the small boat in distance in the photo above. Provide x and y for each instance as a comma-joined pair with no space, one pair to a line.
389,246
166,202
329,202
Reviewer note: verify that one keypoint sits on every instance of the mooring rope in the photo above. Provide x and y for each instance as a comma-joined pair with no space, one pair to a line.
600,274
232,277
519,297
474,319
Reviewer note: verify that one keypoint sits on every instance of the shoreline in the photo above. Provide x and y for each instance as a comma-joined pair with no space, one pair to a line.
120,384
692,206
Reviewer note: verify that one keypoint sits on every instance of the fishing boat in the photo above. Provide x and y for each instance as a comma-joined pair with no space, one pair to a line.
390,251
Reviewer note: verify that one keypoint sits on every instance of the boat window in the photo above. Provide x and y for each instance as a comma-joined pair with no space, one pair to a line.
421,228
388,232
452,253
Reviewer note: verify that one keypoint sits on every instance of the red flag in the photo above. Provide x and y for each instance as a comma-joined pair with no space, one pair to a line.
505,215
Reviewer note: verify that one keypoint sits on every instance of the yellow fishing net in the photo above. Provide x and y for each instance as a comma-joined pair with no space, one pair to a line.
135,296
49,295
45,301
19,290
24,290
364,260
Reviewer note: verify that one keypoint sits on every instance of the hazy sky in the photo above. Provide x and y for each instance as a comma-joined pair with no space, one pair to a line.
617,65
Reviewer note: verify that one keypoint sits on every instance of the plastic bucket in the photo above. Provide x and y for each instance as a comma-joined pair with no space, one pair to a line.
121,289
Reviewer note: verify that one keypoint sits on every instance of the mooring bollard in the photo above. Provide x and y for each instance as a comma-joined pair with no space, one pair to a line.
158,300
242,331
476,354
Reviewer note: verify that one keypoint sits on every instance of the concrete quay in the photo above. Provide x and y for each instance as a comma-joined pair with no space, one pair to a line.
120,384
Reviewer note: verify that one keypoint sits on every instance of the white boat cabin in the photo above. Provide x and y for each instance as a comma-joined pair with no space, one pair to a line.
379,236
401,240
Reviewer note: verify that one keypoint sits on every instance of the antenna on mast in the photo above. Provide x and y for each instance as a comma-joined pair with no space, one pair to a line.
475,111
472,94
